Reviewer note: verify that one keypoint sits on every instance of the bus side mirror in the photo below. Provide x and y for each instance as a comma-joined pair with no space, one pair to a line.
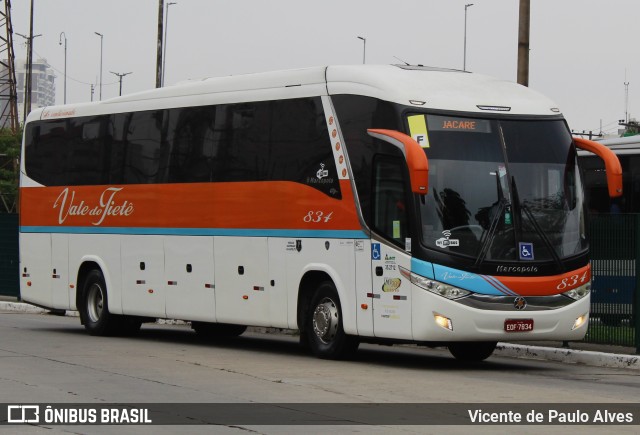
611,164
413,154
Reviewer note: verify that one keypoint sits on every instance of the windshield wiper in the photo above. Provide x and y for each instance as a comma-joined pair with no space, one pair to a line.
536,226
489,235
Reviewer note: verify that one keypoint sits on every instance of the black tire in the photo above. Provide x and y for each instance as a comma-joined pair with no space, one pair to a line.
213,331
94,307
323,325
472,351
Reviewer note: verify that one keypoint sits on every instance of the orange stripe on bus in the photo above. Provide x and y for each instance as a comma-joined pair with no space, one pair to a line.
546,285
254,205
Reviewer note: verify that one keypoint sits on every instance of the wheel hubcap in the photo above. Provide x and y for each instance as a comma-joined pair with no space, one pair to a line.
326,320
95,302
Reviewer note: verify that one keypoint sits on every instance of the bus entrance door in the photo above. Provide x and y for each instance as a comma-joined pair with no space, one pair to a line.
391,292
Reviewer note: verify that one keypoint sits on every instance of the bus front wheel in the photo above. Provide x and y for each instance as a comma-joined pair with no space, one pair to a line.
472,351
325,334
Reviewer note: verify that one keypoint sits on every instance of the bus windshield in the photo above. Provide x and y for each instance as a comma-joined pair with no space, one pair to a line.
500,190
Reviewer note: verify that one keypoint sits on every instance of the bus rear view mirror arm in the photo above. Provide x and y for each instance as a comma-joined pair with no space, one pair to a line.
611,164
413,153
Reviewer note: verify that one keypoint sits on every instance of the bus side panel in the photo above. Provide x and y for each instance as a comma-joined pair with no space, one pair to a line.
278,282
60,270
35,269
242,280
189,276
104,250
143,289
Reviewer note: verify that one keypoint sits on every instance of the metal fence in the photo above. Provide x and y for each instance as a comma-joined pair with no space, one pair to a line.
9,267
614,300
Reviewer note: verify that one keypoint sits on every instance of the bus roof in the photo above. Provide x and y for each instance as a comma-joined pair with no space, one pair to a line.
424,87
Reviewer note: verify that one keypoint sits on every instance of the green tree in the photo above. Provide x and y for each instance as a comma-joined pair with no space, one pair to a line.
9,170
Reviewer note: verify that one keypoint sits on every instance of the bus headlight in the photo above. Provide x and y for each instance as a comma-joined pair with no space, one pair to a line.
579,292
580,321
437,287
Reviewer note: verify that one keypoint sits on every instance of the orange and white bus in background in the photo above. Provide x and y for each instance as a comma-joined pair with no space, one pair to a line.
354,203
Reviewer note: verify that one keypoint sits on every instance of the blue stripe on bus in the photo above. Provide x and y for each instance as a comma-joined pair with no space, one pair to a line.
422,268
331,234
470,281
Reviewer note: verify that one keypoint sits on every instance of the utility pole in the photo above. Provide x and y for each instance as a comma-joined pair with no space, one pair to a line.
28,67
164,41
27,106
159,52
523,42
92,89
27,93
120,76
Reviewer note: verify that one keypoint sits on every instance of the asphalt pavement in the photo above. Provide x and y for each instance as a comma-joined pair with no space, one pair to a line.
590,354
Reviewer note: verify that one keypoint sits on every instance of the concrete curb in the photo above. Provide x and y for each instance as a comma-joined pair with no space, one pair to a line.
571,356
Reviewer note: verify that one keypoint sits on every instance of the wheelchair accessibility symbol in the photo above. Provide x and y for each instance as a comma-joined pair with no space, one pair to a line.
375,251
526,250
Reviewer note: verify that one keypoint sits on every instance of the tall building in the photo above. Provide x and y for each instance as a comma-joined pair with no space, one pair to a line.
43,85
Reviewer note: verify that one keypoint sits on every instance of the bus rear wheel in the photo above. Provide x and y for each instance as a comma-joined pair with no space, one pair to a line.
472,351
95,306
324,331
94,310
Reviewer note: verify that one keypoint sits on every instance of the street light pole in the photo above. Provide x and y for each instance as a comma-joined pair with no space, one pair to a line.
120,76
164,44
364,49
464,59
101,39
65,63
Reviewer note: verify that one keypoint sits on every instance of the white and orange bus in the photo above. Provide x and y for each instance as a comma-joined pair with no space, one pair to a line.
354,203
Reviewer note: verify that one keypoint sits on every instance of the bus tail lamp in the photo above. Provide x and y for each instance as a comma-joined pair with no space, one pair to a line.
443,321
580,321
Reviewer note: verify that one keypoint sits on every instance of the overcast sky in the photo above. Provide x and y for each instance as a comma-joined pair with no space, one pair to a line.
580,49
